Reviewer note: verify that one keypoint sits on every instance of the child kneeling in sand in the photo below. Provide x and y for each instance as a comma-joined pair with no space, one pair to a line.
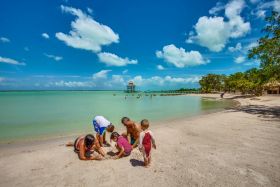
146,141
122,145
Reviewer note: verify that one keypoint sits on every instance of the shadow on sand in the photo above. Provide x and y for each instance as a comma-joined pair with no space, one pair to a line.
261,110
111,153
135,162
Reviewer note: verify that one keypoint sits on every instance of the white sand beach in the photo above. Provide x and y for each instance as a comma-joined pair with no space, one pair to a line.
234,147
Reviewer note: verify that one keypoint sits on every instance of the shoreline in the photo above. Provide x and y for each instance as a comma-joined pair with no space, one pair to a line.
51,137
233,147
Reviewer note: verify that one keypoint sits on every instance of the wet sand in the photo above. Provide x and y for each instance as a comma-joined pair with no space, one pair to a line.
234,147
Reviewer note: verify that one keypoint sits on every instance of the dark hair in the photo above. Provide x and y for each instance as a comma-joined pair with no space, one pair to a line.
111,128
89,140
125,119
114,135
145,123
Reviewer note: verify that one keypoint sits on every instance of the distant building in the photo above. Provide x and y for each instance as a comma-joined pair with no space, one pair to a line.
272,87
130,88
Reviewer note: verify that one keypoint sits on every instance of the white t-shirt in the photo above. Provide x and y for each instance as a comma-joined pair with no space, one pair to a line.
102,122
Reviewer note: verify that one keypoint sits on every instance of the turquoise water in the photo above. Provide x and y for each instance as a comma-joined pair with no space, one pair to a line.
48,113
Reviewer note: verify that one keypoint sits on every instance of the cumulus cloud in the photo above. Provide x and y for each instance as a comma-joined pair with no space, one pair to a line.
113,60
239,59
56,58
179,57
215,32
11,61
169,81
101,80
238,47
4,39
101,74
86,33
70,84
45,35
160,67
211,32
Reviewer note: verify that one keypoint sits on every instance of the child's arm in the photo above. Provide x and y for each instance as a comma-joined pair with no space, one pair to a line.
120,153
99,149
141,136
135,143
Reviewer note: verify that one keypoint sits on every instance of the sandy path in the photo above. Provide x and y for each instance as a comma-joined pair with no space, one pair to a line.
231,148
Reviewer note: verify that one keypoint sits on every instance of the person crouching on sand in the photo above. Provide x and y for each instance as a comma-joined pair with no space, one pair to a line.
123,146
85,147
132,130
146,141
101,125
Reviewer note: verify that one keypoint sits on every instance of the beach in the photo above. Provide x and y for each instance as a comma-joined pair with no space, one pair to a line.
234,147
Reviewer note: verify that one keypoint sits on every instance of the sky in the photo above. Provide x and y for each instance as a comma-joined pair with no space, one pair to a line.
103,44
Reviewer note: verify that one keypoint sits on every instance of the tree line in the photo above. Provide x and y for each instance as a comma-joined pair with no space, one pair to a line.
253,80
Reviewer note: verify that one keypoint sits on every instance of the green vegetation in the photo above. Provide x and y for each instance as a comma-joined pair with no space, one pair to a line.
253,80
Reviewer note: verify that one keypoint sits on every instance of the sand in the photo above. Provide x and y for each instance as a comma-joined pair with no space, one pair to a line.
234,147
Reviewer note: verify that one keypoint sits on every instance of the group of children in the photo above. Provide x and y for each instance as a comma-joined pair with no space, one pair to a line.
90,147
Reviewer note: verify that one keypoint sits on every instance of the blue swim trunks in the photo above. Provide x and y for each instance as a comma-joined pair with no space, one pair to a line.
132,140
97,128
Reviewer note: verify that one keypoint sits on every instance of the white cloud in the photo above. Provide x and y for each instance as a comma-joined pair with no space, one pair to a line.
89,10
87,33
179,57
169,81
113,60
56,58
117,80
276,5
160,67
251,45
11,61
238,47
4,39
101,80
70,84
211,32
45,35
264,6
101,74
239,59
270,4
216,9
215,32
238,27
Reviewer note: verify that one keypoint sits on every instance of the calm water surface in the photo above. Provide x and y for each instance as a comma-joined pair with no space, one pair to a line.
38,114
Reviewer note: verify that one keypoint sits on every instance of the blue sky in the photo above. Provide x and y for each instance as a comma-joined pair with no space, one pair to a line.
86,44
